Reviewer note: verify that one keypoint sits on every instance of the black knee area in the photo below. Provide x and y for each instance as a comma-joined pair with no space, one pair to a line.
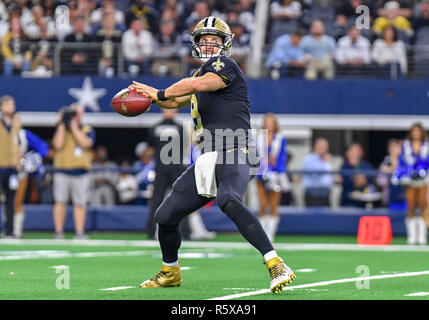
225,199
237,212
167,214
248,225
231,206
167,228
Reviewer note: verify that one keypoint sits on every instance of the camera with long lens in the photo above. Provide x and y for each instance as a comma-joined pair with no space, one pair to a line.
67,115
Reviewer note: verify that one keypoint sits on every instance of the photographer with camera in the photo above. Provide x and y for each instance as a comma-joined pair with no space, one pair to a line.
72,143
10,155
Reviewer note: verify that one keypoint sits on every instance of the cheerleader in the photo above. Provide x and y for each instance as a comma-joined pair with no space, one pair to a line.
412,173
272,180
31,163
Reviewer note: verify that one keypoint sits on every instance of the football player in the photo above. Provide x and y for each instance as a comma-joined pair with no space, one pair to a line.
220,109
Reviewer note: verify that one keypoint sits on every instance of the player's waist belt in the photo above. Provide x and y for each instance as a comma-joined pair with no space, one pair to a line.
205,177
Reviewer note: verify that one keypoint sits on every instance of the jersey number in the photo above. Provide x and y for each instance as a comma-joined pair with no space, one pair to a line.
196,117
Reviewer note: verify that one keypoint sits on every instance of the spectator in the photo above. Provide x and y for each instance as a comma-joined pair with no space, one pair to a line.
390,54
109,37
240,11
347,16
72,143
286,55
49,7
412,173
246,16
144,170
353,51
284,16
321,10
108,6
184,52
84,8
200,11
4,17
43,50
127,185
167,60
76,57
143,11
103,179
392,194
421,40
171,14
392,15
273,180
319,50
21,9
32,27
15,50
233,14
138,48
354,182
241,45
318,186
10,156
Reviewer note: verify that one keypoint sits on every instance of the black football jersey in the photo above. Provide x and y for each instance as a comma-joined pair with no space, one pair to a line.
221,117
162,134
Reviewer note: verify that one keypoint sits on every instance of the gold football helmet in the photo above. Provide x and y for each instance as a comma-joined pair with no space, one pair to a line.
212,26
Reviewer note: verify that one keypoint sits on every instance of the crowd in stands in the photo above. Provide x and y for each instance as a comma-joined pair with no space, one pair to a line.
152,37
304,37
339,43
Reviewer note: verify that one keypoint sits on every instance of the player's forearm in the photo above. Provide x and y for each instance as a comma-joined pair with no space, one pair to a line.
181,88
174,103
188,86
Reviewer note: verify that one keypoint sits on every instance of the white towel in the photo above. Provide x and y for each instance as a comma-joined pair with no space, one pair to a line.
205,177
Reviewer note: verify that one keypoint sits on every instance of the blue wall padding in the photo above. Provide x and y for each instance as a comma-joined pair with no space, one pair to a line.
292,220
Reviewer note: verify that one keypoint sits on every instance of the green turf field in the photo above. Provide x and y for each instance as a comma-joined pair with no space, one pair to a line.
112,265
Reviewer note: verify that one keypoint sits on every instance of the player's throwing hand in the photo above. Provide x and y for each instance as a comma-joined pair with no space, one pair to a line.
144,90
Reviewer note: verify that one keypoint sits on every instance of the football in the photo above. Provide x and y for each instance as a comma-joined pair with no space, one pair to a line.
129,103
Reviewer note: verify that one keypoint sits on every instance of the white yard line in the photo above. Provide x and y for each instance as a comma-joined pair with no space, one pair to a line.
45,254
325,283
218,245
118,288
305,270
417,294
58,255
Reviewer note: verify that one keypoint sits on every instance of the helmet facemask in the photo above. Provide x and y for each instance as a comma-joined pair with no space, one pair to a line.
224,48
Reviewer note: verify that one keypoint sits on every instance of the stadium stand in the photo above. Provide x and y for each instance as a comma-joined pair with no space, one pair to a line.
54,53
44,17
